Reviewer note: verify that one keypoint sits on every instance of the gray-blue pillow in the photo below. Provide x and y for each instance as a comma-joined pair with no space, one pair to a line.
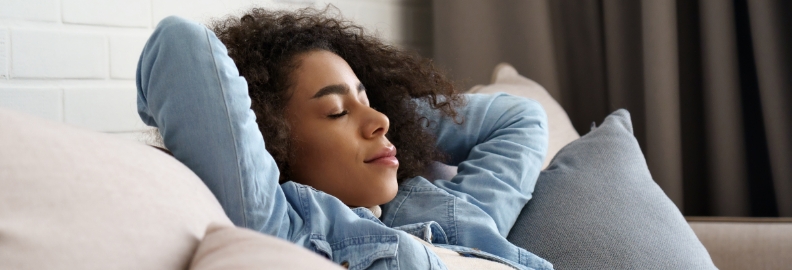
596,206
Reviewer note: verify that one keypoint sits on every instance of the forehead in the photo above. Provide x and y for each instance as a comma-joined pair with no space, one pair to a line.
317,69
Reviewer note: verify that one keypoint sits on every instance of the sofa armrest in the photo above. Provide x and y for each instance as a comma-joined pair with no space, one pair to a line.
746,243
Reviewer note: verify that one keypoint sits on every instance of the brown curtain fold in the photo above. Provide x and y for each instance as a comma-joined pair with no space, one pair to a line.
526,41
771,26
708,83
661,91
624,58
722,109
580,51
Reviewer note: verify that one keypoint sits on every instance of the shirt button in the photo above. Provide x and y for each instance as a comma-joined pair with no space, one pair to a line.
345,264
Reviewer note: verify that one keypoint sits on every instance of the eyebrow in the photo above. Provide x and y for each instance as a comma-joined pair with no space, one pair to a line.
336,89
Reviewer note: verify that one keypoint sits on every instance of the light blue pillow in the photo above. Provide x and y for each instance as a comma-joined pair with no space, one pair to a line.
597,207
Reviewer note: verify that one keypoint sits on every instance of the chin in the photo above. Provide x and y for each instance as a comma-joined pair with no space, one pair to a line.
375,190
389,192
382,195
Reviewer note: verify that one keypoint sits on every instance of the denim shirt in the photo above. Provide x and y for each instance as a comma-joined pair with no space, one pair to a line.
190,89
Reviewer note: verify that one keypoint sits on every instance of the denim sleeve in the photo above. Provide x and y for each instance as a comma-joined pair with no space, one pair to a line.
499,149
191,90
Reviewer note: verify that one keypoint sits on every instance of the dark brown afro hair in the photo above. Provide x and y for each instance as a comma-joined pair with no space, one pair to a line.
264,43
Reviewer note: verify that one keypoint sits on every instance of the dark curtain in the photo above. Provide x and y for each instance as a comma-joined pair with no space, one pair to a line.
708,83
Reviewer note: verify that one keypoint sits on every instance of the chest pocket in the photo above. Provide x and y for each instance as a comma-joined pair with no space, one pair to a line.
360,252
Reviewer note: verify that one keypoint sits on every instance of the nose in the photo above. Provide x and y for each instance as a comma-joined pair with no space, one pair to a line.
375,124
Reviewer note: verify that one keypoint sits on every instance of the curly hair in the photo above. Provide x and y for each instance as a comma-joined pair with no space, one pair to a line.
264,45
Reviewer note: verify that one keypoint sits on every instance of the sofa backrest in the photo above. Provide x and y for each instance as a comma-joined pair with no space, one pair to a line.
76,199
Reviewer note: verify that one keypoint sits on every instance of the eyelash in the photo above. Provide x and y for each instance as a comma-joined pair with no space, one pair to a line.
339,115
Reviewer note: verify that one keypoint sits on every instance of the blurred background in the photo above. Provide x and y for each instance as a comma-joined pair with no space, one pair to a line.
708,82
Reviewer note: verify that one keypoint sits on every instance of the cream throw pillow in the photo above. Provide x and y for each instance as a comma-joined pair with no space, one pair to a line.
228,247
76,199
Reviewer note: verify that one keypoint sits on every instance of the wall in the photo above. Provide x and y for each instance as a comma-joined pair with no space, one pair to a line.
74,61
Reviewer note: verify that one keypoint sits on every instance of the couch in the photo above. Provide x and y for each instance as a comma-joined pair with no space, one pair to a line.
77,199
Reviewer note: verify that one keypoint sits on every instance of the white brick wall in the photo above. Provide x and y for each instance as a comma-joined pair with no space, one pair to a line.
102,108
34,10
74,61
42,101
124,55
129,13
4,49
54,54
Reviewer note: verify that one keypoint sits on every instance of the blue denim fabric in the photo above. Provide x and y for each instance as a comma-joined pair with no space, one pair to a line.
191,90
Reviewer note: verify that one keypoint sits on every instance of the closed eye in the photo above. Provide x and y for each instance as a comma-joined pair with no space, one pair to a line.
338,115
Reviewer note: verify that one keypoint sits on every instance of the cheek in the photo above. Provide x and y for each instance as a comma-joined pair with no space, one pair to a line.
327,162
322,153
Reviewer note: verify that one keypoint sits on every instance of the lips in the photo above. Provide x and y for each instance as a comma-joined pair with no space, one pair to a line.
386,156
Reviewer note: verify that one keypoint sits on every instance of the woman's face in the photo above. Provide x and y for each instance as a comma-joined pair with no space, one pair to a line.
339,141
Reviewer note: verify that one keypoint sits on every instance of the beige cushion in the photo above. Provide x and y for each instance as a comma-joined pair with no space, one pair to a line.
227,247
76,199
753,243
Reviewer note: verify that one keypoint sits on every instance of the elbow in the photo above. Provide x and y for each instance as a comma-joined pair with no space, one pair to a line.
529,116
525,112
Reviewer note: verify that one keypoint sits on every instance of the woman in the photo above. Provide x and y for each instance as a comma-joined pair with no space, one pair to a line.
333,106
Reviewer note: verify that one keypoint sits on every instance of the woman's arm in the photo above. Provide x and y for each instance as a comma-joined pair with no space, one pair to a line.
499,149
190,89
